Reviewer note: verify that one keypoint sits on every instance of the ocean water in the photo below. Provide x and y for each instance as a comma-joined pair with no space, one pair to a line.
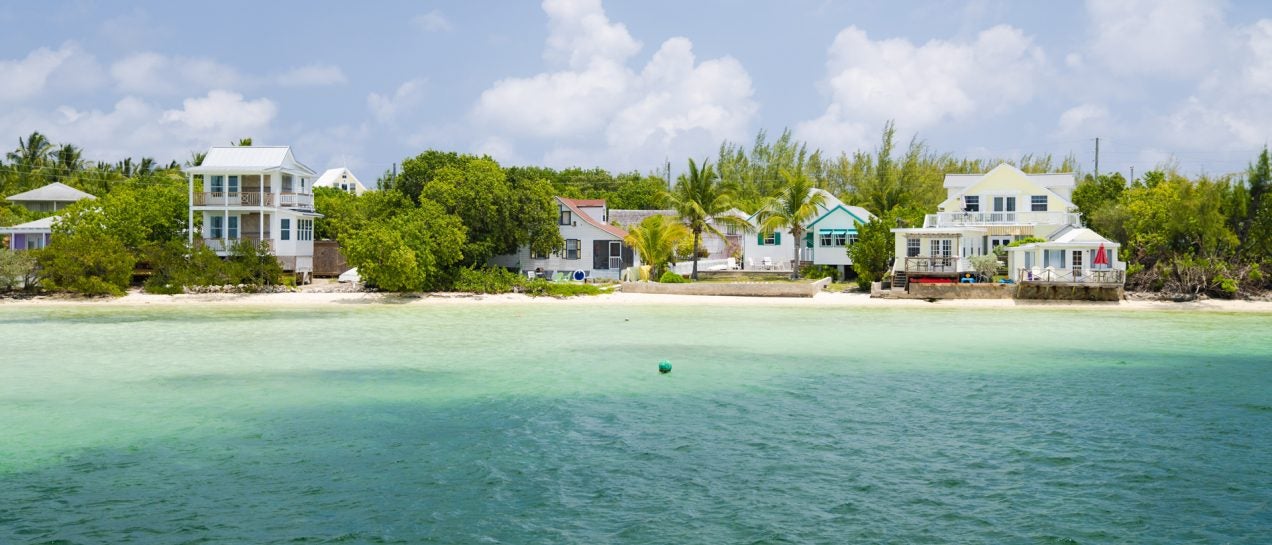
550,424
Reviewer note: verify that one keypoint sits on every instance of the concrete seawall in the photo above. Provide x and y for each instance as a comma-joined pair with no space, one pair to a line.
736,289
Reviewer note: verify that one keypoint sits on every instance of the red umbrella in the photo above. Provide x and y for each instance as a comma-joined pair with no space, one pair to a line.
1101,258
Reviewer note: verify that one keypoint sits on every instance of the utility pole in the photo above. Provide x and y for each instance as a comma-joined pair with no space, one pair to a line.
393,180
1097,157
1132,180
667,169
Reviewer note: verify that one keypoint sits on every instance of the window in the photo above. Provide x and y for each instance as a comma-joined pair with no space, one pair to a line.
825,237
566,218
304,229
841,237
216,184
233,229
971,203
852,238
34,241
771,238
571,248
942,247
287,183
284,229
234,184
214,229
1038,203
912,247
537,255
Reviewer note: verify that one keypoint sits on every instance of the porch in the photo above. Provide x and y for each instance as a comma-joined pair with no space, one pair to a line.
1072,277
935,265
243,198
225,245
973,219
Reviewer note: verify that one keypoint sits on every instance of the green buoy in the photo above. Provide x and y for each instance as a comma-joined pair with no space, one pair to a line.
664,367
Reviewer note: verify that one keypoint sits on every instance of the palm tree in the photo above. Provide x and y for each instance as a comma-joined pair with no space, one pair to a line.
655,239
31,155
792,207
702,201
245,142
196,158
68,159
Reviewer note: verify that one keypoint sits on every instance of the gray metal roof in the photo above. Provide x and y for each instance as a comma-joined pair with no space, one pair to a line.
40,225
628,218
54,192
249,158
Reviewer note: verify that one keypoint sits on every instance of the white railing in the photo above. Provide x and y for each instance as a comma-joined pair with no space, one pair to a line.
937,264
960,219
1051,275
686,267
296,200
225,245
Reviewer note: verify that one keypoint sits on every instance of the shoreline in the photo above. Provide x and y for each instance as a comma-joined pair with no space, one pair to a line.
821,300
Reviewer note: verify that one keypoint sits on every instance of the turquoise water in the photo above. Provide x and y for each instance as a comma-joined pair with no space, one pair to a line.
551,424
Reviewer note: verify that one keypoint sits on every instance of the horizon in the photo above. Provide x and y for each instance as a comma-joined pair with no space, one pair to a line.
623,87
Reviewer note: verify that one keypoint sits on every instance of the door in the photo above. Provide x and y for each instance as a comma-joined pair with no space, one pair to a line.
615,254
600,255
1077,264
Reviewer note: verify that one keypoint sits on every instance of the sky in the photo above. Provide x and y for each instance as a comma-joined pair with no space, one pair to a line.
628,85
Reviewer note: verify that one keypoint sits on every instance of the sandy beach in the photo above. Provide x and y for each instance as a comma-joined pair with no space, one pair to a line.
824,299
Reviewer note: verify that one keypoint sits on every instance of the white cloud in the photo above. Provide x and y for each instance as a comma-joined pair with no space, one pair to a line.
151,73
314,75
595,108
44,68
432,21
222,115
919,86
405,98
1178,38
1083,120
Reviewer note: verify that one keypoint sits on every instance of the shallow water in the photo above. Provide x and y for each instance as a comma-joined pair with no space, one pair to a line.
550,424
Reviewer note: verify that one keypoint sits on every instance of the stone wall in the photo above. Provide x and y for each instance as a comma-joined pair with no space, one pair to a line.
1069,292
961,291
737,289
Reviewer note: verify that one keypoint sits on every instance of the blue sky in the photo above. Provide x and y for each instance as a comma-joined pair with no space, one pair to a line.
625,85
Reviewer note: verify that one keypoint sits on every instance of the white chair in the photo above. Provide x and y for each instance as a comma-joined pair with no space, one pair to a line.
766,263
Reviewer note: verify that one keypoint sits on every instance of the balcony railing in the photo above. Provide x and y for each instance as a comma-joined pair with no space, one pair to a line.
1071,276
225,245
972,219
937,264
253,198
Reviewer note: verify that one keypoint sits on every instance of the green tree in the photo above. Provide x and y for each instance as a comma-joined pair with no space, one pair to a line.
17,269
89,261
413,251
655,239
421,169
702,201
875,249
795,205
30,157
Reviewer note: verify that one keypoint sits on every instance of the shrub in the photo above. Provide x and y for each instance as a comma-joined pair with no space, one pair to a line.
822,271
87,263
17,270
540,287
985,265
487,280
671,278
254,265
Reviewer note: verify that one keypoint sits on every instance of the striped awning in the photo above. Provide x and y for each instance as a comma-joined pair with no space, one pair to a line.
1023,230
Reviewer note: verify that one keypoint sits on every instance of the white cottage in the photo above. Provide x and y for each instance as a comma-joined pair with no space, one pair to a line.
342,179
255,195
37,234
593,247
826,238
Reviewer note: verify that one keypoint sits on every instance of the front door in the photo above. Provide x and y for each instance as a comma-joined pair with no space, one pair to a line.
615,254
995,242
1077,264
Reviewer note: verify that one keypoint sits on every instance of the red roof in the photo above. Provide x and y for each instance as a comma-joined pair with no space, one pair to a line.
574,204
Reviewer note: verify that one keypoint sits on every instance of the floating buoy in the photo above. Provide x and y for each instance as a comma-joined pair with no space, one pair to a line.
664,367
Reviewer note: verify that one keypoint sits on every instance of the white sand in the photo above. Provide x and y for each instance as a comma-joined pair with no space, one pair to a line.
825,299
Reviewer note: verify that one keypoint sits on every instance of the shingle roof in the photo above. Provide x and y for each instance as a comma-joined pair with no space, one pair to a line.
56,191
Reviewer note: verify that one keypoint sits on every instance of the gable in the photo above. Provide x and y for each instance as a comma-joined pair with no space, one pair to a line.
1007,180
838,217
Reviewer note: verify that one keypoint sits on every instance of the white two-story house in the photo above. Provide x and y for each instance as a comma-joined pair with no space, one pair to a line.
826,239
593,247
984,211
255,195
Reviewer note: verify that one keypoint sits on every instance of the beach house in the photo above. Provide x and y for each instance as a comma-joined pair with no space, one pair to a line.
254,195
34,235
826,238
718,248
593,247
982,212
342,179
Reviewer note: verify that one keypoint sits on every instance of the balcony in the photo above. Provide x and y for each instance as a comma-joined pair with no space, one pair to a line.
979,219
1079,277
226,245
255,198
939,265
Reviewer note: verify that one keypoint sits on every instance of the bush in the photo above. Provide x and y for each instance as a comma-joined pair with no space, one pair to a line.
17,270
671,278
253,264
822,271
87,263
540,287
488,280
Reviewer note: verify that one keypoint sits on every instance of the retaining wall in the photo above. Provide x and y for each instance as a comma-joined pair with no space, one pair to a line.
736,289
961,291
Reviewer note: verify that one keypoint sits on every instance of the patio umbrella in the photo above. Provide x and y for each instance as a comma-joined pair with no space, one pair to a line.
1101,257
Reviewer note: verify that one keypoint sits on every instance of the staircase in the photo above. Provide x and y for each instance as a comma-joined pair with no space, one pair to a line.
900,280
